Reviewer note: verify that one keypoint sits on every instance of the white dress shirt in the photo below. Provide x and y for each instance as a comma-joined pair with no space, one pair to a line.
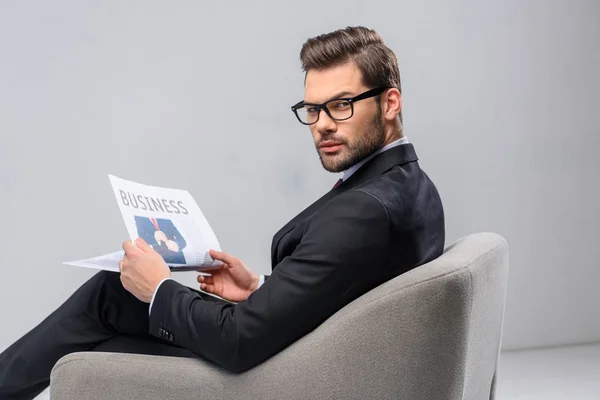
347,174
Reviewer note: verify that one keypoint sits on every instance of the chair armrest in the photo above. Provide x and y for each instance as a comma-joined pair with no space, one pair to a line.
97,375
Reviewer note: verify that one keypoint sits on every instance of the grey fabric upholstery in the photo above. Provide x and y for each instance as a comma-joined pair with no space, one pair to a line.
432,333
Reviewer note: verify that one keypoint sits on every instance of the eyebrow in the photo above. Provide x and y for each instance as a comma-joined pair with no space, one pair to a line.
336,96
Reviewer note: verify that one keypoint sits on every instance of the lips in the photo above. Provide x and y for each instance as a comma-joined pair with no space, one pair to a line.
330,146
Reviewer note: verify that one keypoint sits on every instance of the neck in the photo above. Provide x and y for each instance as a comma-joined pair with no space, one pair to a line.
393,132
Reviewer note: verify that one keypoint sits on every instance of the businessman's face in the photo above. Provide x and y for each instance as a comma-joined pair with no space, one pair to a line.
341,144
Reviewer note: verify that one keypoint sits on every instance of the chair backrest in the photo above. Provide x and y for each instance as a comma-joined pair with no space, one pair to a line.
432,333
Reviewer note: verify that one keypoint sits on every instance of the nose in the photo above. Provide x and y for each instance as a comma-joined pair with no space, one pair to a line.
325,123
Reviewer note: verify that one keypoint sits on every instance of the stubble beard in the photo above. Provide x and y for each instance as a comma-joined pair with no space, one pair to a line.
353,153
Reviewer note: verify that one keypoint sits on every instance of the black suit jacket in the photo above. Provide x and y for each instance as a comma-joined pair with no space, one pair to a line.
384,220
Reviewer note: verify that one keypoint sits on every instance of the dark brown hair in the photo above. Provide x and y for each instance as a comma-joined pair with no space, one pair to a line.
362,46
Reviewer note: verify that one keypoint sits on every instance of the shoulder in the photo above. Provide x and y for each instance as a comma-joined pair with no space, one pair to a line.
402,190
356,205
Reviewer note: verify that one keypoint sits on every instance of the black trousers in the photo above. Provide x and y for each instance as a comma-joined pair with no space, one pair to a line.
100,316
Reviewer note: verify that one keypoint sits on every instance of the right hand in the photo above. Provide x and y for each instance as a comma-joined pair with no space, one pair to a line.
160,236
233,281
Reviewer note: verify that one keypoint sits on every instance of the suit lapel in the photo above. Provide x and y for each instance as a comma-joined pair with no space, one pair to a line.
376,166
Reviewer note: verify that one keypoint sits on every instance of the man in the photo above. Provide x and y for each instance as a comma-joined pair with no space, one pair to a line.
163,236
383,218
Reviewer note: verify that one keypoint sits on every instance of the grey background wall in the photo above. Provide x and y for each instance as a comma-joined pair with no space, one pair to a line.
501,101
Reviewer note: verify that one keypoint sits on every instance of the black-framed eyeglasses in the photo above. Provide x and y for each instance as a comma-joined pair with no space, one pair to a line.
338,109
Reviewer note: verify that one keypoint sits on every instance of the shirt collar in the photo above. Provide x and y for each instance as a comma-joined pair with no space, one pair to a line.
355,167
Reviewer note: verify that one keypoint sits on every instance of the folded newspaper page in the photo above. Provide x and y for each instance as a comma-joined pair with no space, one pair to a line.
169,220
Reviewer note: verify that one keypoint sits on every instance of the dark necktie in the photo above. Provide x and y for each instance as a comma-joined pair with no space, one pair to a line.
338,183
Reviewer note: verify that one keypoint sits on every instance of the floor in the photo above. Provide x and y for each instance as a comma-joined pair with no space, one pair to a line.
561,373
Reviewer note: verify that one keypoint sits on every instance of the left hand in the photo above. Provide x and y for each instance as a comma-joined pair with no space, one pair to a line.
172,245
142,269
234,281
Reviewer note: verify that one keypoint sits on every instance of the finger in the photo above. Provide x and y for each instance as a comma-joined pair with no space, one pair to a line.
128,246
208,288
223,257
142,245
206,279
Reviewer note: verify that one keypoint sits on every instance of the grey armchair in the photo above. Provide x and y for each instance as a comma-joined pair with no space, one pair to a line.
432,333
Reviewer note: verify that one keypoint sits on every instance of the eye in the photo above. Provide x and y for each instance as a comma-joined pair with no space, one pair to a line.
312,109
342,104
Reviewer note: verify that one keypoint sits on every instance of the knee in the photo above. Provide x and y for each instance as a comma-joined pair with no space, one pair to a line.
105,279
96,293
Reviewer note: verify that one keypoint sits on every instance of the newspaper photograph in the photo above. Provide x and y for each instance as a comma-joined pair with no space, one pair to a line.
169,220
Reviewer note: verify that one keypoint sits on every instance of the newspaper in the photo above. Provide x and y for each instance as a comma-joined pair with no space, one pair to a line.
169,220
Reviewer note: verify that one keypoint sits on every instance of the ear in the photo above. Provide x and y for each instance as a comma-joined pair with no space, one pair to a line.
392,104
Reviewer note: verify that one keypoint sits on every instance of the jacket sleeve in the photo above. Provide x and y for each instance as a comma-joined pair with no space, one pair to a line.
145,230
339,258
